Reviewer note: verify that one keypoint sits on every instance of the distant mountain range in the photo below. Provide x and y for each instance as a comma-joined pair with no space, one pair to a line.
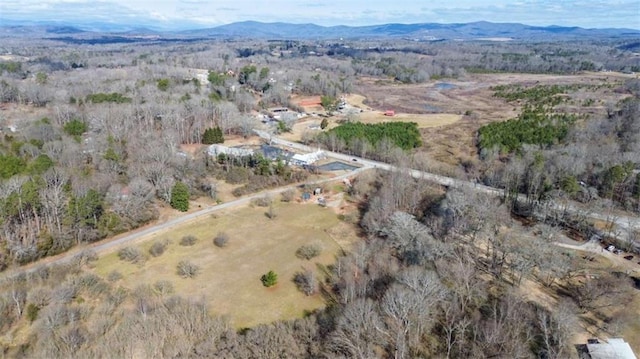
252,29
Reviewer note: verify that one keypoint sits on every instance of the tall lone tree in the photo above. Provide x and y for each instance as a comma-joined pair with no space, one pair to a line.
180,197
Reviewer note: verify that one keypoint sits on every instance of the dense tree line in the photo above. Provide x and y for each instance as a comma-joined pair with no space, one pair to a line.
533,126
591,159
404,135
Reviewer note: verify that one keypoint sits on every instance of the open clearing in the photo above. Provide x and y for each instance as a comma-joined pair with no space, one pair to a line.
449,112
471,98
229,278
423,120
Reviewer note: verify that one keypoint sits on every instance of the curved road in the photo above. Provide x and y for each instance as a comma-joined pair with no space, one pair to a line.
110,243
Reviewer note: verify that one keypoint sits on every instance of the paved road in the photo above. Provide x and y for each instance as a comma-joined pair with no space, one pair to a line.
108,244
622,222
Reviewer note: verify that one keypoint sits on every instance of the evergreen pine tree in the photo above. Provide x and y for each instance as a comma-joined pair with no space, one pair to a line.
212,135
180,197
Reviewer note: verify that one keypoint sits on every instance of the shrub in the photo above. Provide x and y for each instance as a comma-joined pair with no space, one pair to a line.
130,254
188,240
263,201
269,279
221,240
85,257
32,312
289,195
114,276
164,287
163,84
305,281
237,175
157,248
75,127
308,251
187,269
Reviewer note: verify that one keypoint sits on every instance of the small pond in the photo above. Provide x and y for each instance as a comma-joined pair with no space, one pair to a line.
444,86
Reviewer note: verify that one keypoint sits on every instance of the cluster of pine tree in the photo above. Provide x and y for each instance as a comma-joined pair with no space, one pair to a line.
212,135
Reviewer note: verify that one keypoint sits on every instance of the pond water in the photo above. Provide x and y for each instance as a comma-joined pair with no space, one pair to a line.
444,86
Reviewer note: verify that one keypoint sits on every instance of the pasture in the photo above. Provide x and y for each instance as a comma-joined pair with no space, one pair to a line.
229,277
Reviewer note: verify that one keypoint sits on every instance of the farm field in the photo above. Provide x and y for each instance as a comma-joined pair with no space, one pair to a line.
229,277
449,112
423,120
472,100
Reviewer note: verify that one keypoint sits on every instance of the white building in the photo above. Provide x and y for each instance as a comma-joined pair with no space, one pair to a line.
615,348
307,158
215,150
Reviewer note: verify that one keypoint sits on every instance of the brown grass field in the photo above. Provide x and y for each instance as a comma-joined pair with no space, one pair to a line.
229,279
423,120
472,99
449,118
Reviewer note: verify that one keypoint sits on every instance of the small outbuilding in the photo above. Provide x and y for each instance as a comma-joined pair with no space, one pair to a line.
614,348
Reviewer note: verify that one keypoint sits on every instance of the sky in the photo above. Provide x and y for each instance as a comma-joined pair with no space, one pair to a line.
187,14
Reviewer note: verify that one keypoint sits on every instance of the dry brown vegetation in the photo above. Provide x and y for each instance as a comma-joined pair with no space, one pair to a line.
472,99
442,273
228,279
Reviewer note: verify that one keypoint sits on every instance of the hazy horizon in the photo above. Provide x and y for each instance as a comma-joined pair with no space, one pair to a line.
195,14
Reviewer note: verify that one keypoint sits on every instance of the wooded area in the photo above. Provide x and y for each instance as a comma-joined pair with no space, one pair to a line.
98,140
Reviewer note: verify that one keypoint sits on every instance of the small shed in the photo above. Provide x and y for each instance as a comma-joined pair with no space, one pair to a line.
306,196
390,113
614,348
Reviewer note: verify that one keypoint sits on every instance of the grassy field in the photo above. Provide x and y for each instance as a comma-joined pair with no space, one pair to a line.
423,120
229,278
